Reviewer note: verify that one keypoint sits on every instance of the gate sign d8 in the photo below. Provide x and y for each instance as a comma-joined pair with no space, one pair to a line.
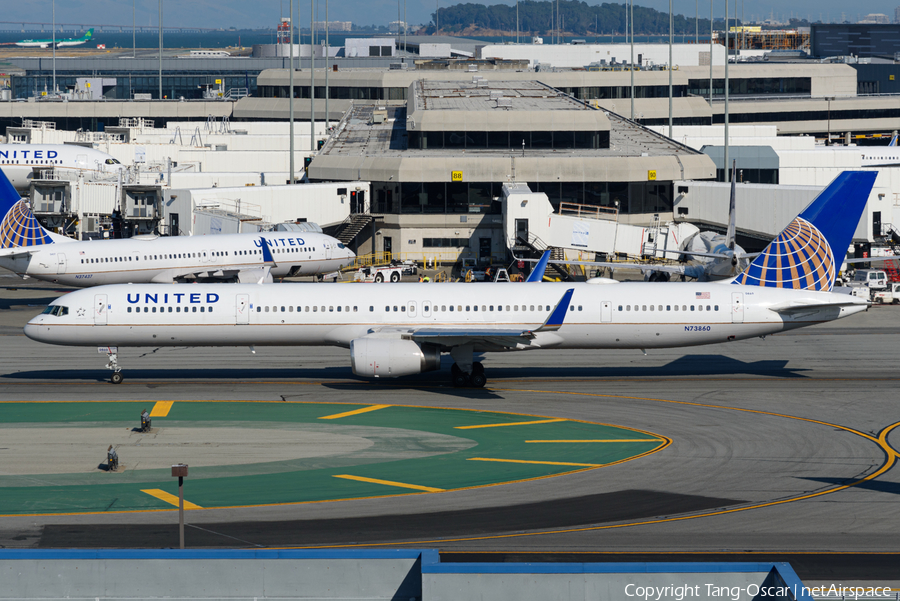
456,176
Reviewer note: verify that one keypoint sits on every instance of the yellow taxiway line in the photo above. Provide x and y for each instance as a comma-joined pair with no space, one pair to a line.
540,421
168,498
355,412
390,483
161,408
534,462
610,440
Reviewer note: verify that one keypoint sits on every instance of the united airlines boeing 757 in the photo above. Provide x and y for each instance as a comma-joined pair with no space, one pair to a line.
21,163
29,250
403,329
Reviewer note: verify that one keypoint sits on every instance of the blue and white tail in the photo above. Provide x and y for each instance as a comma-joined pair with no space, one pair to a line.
19,228
808,253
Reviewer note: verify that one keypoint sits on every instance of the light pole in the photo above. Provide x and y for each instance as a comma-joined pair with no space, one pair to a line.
312,76
180,470
710,59
632,59
54,46
327,68
160,49
671,33
726,91
291,85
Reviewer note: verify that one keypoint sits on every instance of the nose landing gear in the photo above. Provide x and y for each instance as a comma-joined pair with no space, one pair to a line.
112,354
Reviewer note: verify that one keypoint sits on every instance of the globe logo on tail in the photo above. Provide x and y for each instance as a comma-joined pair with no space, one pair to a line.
800,258
20,228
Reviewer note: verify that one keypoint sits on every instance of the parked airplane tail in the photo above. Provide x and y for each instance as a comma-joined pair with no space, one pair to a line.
19,227
893,141
808,252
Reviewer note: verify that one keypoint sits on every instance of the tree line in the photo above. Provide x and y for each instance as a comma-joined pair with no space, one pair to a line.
575,18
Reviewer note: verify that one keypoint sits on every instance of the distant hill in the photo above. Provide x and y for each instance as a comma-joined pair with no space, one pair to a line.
576,18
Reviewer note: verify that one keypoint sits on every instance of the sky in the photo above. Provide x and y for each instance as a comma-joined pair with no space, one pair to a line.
266,13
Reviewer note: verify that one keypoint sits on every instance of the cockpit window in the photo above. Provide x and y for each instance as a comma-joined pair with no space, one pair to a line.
341,245
112,162
55,310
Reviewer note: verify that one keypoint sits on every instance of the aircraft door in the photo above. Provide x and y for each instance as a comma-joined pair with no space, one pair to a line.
329,251
212,256
100,309
606,312
411,309
203,257
737,307
81,161
60,263
426,308
242,310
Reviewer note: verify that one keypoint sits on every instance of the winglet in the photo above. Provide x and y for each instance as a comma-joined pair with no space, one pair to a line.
266,253
893,141
537,274
555,321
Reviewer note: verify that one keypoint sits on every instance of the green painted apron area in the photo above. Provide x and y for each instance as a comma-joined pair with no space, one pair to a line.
394,450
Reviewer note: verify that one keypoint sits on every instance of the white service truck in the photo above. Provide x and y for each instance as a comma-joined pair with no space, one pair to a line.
889,296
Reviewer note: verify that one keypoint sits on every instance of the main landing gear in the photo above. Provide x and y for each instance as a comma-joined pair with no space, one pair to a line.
475,379
112,354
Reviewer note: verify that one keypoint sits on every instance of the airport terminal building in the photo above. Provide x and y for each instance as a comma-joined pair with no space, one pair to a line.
437,162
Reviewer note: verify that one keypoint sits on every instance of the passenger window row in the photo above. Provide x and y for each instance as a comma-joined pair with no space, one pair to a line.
290,309
669,308
203,309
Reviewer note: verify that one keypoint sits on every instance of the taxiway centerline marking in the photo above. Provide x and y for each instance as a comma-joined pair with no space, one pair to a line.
161,408
355,412
609,440
542,421
169,498
389,483
534,462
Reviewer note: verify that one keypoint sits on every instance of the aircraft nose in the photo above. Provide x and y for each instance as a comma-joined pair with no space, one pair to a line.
33,330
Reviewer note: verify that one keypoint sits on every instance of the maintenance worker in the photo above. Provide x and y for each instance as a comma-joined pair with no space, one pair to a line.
112,459
145,421
426,279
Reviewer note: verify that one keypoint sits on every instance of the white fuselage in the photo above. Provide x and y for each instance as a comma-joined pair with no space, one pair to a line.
169,259
19,161
614,315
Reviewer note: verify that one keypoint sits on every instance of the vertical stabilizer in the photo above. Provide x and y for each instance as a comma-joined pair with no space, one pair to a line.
18,227
808,253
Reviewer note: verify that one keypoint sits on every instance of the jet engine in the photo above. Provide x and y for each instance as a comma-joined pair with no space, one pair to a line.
392,357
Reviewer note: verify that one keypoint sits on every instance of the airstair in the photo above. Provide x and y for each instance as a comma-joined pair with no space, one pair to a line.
349,229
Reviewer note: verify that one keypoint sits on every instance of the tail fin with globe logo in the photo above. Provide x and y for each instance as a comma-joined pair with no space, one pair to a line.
807,254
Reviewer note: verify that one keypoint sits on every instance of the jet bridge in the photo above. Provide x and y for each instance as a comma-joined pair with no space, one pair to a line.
529,216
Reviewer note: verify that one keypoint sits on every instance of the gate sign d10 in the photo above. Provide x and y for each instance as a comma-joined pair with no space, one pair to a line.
651,175
456,176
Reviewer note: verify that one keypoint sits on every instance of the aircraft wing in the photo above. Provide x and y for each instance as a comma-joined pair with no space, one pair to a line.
872,260
19,251
500,335
250,275
676,269
802,310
